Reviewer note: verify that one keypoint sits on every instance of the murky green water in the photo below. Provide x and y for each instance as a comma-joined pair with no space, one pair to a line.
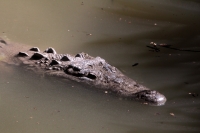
119,31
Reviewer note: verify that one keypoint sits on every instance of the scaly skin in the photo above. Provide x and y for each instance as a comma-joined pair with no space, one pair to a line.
81,68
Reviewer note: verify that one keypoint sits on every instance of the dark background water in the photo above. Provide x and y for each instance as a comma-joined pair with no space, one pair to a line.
120,31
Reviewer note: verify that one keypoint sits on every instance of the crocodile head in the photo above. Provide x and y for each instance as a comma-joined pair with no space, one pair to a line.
101,73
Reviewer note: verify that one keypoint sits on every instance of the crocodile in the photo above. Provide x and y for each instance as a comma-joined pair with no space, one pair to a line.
81,67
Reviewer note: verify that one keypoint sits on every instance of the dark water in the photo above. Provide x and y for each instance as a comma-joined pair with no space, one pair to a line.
120,31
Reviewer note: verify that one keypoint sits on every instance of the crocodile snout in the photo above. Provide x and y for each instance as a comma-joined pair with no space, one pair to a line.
160,99
152,97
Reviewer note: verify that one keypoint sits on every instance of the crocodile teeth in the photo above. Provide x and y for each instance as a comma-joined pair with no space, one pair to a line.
37,56
50,50
36,49
22,54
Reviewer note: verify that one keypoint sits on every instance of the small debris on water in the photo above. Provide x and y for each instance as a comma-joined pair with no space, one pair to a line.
120,98
153,43
157,113
156,49
193,94
164,45
161,44
106,92
172,114
135,64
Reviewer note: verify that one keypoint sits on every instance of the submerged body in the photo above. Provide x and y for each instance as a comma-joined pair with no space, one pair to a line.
81,68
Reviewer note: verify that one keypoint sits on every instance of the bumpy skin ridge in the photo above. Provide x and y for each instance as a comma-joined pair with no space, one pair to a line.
81,68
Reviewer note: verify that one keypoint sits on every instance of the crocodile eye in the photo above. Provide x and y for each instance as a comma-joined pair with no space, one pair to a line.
76,69
91,76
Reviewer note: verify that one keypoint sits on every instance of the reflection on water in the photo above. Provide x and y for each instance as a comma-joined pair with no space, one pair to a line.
119,31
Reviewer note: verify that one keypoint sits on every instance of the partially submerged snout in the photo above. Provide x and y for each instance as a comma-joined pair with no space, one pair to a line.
152,97
160,99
